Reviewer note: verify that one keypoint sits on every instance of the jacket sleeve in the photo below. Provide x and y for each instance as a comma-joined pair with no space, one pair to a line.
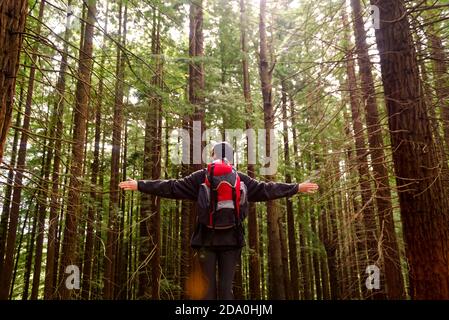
264,191
185,188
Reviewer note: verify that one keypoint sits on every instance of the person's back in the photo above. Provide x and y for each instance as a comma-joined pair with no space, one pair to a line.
221,194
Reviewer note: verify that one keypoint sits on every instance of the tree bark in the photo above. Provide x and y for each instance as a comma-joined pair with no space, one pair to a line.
13,15
110,268
253,229
94,210
326,267
284,255
390,251
328,222
196,76
264,291
29,260
274,247
6,276
50,271
422,197
42,207
440,77
370,257
316,257
10,180
303,266
19,248
293,254
367,211
152,169
69,249
355,233
196,97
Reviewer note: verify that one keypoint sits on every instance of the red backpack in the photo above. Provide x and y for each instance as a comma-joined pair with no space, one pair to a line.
222,199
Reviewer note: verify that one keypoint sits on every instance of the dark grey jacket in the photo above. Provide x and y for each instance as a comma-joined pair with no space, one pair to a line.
188,188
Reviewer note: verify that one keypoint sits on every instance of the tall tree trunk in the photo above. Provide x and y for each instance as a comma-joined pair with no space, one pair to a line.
293,254
284,255
303,266
370,257
5,277
337,202
154,131
69,252
185,262
151,170
329,238
316,256
326,271
274,251
50,271
253,235
176,248
10,180
29,259
98,246
357,246
263,275
196,75
422,197
60,218
308,245
441,77
19,248
49,151
390,251
94,209
42,207
13,15
122,250
367,211
197,99
114,208
130,267
429,94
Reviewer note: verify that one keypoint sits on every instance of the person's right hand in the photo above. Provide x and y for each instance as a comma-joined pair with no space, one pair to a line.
128,185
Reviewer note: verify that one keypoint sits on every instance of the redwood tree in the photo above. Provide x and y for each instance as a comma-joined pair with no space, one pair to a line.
382,193
274,246
422,198
293,254
114,208
12,24
151,170
253,236
6,276
82,97
196,87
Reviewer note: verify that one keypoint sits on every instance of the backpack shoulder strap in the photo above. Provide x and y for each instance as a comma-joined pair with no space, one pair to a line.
236,195
213,195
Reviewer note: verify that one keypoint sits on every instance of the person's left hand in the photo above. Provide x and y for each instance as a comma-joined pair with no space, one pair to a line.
308,187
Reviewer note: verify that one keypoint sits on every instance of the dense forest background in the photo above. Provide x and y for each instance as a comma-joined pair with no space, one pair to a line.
91,92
